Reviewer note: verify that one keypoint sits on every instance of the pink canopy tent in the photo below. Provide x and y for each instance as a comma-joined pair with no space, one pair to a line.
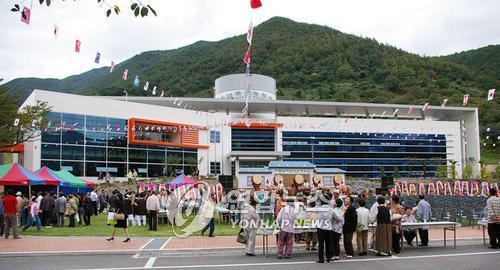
181,180
17,175
50,177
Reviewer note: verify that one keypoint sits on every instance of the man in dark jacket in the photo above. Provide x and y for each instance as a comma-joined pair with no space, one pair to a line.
140,211
47,207
88,207
350,223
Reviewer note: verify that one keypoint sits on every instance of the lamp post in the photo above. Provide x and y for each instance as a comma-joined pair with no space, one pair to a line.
126,96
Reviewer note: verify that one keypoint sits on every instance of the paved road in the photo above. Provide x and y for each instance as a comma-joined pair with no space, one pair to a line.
466,256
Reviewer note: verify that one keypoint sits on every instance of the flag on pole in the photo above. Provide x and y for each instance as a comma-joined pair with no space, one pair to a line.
146,86
154,91
162,92
136,81
466,99
97,58
255,4
410,109
124,75
491,94
112,67
16,122
488,129
26,15
426,106
56,29
250,33
444,102
395,112
77,45
246,57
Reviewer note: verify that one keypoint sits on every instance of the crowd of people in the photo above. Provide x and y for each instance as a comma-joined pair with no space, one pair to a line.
332,218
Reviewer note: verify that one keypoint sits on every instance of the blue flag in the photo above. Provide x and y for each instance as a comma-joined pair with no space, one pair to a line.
136,80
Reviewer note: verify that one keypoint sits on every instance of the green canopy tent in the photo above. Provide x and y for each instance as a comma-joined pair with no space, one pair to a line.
4,169
74,182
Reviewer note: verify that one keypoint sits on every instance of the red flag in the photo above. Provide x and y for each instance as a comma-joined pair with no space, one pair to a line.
77,46
466,99
124,75
491,94
246,58
410,109
26,15
255,4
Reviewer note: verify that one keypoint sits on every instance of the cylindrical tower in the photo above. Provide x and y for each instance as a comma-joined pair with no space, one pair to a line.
238,86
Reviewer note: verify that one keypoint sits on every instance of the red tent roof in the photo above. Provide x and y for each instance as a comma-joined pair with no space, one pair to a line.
20,176
49,176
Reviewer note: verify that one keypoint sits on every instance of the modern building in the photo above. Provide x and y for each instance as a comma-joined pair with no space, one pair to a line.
244,127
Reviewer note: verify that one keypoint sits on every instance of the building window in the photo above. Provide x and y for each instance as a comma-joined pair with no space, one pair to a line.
214,136
214,167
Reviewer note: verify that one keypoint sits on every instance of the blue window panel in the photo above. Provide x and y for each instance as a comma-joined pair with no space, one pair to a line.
95,138
96,123
73,121
117,125
214,136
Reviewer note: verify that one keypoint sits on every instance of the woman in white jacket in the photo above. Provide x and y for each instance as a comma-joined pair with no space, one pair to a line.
250,224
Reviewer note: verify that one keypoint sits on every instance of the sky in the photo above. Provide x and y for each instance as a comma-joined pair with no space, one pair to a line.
424,27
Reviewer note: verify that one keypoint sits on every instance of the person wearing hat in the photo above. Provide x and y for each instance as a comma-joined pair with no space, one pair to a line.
19,199
324,216
286,221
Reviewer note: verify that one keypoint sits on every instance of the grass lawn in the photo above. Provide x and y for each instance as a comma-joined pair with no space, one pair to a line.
99,227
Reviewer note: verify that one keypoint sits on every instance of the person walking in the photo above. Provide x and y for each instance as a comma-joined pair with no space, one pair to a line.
152,206
324,215
349,227
250,224
383,239
207,214
130,177
423,214
493,205
363,217
286,222
10,212
120,223
102,201
60,209
34,215
72,209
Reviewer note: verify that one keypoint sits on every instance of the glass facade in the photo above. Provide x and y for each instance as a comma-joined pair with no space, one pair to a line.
85,145
369,154
246,139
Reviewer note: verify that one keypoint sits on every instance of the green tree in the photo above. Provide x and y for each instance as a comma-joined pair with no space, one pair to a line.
23,125
453,169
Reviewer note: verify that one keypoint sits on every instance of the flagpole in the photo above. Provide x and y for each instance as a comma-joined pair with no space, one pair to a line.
126,96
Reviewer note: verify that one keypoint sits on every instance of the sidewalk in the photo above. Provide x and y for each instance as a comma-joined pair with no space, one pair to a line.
53,245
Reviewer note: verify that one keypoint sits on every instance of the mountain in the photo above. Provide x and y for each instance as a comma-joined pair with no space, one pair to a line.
482,62
309,62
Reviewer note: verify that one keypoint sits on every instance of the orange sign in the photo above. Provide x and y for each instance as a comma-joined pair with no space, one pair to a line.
152,132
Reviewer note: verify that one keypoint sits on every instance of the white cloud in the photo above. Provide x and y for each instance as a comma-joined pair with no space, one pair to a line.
425,27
